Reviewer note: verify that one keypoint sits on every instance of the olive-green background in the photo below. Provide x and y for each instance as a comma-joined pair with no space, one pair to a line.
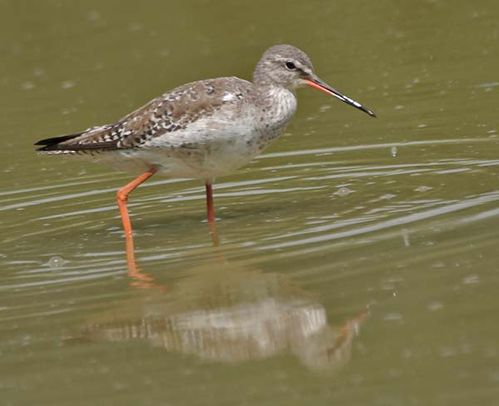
397,214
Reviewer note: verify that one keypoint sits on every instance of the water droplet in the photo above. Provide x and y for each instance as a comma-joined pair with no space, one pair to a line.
94,16
68,84
343,191
392,317
38,72
423,188
434,306
27,86
471,280
56,262
387,196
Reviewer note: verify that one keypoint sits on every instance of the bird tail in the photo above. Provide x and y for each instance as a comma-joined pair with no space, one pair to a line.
95,138
54,144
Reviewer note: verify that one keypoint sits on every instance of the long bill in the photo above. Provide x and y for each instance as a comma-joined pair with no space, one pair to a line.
324,87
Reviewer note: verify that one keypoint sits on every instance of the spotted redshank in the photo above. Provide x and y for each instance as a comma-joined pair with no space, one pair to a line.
203,129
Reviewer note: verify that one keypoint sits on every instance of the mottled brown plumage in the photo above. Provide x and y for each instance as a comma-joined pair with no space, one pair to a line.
168,113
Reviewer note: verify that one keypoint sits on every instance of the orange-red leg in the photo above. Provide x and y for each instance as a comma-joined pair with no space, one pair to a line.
122,198
210,208
210,211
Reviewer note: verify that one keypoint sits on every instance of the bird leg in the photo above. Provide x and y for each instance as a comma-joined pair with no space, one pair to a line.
210,208
122,198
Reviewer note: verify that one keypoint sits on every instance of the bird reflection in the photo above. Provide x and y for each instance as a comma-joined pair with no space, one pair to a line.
228,312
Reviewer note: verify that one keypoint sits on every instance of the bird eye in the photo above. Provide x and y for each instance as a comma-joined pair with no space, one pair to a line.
290,65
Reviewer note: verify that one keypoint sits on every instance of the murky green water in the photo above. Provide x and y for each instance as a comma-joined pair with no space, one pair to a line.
358,258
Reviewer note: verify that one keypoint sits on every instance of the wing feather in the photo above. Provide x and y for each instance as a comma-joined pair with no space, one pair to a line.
164,115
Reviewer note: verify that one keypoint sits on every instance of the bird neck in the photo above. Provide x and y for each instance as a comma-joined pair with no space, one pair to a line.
278,105
260,76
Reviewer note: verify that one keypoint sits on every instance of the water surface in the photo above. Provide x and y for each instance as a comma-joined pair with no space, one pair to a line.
358,259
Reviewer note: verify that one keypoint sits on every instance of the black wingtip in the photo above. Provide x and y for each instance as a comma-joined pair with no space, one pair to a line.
56,140
53,144
60,144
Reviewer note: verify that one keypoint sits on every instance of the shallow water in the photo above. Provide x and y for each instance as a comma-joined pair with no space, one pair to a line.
358,259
